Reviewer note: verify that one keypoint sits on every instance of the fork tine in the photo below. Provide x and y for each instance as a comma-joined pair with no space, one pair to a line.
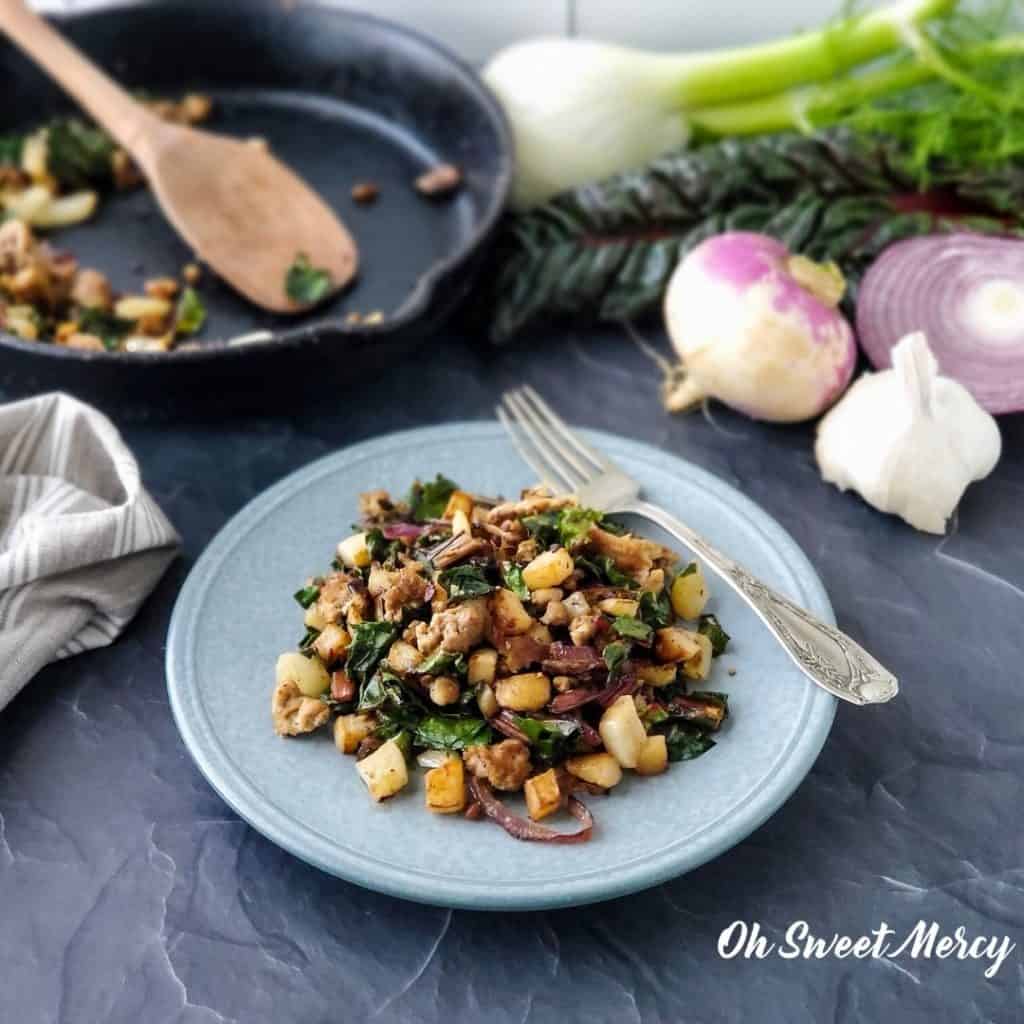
549,449
526,452
556,423
528,436
564,453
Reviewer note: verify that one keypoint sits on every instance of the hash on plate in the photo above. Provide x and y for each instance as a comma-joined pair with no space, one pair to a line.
503,646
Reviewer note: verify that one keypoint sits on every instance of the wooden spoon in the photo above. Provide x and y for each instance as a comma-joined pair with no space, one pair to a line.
242,211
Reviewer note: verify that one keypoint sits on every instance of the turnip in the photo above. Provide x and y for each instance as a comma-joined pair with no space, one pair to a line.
758,328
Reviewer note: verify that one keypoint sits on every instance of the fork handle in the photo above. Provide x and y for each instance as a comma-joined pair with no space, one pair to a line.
830,658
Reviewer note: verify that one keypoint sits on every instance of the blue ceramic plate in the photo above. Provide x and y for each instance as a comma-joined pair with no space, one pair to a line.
236,614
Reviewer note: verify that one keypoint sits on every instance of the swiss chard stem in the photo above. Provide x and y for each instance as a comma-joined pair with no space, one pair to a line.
724,76
813,106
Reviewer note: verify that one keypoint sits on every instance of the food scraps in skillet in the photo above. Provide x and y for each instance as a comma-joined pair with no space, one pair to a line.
50,178
529,645
439,181
304,283
365,192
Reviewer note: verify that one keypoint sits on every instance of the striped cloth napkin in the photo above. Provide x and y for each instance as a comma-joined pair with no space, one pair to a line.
81,542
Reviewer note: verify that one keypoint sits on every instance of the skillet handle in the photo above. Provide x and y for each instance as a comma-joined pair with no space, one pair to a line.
111,106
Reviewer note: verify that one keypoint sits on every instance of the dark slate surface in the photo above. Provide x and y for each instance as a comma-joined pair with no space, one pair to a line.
129,892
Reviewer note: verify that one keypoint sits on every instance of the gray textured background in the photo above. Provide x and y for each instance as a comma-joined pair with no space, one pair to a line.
129,893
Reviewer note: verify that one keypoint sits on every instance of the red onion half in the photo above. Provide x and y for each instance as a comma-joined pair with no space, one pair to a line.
966,293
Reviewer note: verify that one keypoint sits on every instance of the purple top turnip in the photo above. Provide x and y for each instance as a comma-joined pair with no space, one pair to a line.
758,328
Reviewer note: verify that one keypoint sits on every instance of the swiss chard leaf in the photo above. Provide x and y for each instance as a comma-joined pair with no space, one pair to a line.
307,595
712,629
370,642
549,737
632,629
464,581
381,549
10,149
428,501
190,314
614,655
443,732
603,568
442,663
686,742
512,577
104,326
543,528
385,690
304,283
308,639
655,609
574,524
78,154
606,250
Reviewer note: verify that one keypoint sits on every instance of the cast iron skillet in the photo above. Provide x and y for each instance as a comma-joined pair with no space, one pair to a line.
343,97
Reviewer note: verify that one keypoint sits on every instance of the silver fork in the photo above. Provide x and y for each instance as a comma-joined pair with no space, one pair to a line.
827,656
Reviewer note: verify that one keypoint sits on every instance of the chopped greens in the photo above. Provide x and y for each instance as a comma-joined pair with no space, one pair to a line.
104,326
464,581
512,577
305,645
686,742
548,736
442,663
384,688
190,314
712,629
543,528
370,642
77,154
306,284
428,500
656,609
574,524
603,567
307,595
442,732
633,629
615,654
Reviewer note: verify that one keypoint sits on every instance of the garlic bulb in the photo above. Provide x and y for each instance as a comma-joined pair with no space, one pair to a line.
907,440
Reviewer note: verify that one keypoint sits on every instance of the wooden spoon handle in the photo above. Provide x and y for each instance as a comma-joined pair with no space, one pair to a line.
113,108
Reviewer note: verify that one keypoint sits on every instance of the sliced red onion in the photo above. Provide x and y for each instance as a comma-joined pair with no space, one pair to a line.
522,828
568,660
966,293
572,699
403,531
504,723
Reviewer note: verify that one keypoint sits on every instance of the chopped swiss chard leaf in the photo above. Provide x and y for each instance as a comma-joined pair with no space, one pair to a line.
444,732
464,581
512,577
307,595
370,642
428,501
655,609
632,629
712,629
686,742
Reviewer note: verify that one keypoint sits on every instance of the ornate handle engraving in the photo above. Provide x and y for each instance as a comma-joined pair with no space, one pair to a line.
830,658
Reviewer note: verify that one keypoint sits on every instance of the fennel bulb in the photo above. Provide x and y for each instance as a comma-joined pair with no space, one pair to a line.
581,111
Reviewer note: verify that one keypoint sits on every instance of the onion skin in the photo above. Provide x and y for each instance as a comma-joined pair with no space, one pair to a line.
757,328
933,284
